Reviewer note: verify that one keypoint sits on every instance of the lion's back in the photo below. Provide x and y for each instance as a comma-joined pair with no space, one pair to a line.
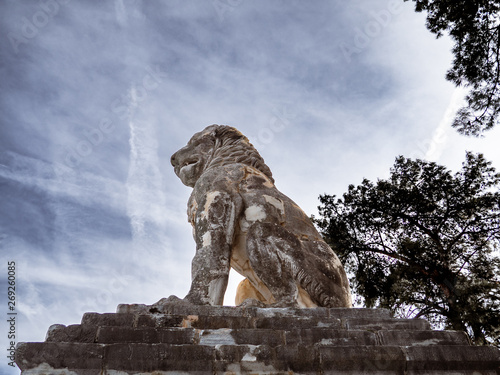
263,202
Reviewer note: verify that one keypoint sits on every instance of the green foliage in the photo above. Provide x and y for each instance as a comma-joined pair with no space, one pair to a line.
474,26
423,243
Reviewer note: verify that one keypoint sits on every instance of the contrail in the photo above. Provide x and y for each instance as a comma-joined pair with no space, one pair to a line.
120,12
146,199
439,136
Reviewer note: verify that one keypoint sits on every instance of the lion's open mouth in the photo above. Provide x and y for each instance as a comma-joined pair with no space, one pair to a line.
188,164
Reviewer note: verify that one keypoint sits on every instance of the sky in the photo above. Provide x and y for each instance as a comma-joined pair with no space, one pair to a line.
97,95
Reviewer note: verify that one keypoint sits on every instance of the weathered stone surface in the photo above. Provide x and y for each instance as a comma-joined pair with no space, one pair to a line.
299,359
45,369
159,357
60,355
271,338
302,322
255,337
147,320
330,337
382,324
174,336
241,220
208,340
108,319
248,357
422,338
363,359
71,333
372,314
179,307
455,358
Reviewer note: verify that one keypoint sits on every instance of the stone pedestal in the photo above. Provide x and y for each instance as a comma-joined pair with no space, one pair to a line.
186,339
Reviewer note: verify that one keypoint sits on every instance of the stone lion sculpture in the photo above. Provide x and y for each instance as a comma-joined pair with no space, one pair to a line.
241,220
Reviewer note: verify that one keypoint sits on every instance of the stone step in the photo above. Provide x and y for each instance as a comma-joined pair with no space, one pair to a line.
266,321
140,357
87,331
250,312
294,336
176,338
382,337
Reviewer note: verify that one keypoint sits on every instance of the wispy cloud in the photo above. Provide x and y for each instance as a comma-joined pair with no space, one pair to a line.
146,204
436,143
121,12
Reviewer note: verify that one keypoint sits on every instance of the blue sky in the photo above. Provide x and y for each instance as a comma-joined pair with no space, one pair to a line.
96,96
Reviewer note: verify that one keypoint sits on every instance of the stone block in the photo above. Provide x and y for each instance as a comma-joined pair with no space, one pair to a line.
244,359
45,369
59,355
168,320
256,337
284,323
324,336
456,358
192,358
451,372
71,333
138,357
138,308
359,313
108,319
299,359
248,353
151,335
363,359
386,324
180,308
205,310
277,313
113,334
178,336
215,337
422,338
271,338
144,320
216,322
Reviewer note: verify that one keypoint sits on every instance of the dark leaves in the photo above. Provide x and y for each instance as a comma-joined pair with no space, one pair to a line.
474,25
422,242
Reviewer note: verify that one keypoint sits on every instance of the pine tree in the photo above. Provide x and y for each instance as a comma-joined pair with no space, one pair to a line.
474,26
424,243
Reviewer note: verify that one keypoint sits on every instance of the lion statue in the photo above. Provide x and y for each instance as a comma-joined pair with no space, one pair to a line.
241,220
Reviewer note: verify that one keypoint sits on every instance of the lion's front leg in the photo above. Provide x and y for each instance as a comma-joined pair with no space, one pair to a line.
214,225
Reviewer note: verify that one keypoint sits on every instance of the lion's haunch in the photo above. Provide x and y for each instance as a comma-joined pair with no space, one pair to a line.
241,220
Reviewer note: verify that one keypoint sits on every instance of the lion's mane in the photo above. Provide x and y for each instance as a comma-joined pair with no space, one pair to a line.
233,147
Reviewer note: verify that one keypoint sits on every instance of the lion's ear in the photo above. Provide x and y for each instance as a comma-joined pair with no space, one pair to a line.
218,131
214,129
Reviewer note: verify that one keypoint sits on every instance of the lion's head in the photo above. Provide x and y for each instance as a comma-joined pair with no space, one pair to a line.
215,146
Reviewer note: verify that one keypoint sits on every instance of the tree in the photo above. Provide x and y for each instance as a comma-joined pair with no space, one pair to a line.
423,243
474,26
